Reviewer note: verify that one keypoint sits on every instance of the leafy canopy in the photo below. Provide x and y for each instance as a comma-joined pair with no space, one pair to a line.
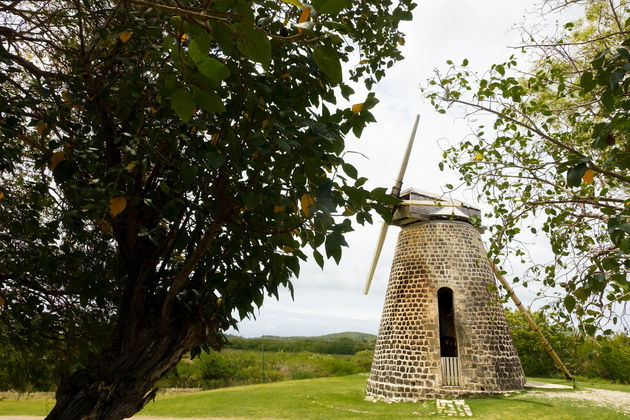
165,165
553,154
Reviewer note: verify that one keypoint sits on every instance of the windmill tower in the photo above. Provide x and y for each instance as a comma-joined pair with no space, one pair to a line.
443,332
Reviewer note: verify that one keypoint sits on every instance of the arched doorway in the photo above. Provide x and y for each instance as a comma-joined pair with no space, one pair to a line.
448,337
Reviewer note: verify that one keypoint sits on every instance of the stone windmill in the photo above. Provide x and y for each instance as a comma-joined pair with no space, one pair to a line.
443,332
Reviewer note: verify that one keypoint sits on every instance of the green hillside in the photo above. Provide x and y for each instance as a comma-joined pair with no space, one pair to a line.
355,336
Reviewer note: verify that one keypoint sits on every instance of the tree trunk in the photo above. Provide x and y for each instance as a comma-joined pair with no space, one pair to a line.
121,380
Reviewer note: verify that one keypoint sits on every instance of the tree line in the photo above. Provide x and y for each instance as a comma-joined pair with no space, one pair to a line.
342,345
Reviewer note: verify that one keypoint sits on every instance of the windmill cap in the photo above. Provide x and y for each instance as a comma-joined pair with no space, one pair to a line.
422,206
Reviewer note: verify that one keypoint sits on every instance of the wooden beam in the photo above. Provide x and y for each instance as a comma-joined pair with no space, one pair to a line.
532,323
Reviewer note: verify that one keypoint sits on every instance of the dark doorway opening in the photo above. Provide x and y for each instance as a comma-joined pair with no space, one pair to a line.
448,337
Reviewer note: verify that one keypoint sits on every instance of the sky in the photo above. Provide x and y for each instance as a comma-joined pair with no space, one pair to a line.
332,300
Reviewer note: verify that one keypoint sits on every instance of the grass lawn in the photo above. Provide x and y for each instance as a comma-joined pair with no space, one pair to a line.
343,397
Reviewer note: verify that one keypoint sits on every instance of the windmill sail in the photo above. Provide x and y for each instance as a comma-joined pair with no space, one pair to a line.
395,191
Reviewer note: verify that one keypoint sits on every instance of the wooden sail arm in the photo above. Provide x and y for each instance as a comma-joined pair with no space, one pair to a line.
532,323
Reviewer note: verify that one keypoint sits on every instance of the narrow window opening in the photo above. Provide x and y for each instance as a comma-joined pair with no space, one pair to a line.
448,337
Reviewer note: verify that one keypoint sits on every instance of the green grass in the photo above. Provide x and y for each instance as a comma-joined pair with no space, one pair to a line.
340,398
38,404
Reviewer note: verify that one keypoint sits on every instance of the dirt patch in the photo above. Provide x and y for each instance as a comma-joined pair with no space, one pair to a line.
616,400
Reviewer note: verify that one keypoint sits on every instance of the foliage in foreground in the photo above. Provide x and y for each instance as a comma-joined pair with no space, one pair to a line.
549,152
164,166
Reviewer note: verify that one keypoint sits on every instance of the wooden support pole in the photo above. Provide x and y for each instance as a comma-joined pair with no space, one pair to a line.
532,323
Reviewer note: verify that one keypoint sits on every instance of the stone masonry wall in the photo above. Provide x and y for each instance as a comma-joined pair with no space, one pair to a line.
406,364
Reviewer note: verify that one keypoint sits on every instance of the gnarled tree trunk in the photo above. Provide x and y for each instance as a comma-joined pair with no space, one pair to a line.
121,380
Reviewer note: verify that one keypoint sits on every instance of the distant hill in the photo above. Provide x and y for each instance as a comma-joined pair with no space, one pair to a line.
355,336
337,343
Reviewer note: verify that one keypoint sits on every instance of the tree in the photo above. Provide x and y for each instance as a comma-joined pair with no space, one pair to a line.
164,166
534,357
552,153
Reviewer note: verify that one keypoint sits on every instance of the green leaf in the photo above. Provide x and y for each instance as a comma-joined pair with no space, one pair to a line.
183,104
199,47
333,247
223,36
617,77
327,60
575,174
331,7
209,101
64,171
350,170
569,303
213,69
608,101
586,81
170,211
380,195
188,174
253,44
319,258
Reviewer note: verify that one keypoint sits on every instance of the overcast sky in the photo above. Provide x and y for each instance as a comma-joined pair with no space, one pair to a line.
331,300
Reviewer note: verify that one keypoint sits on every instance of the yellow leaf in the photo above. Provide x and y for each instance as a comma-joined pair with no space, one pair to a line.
125,36
401,41
363,62
278,209
320,83
41,127
1,195
265,123
304,17
306,201
131,165
284,75
183,38
344,21
193,130
219,301
356,108
117,205
478,156
287,249
215,139
56,158
153,110
588,176
348,212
